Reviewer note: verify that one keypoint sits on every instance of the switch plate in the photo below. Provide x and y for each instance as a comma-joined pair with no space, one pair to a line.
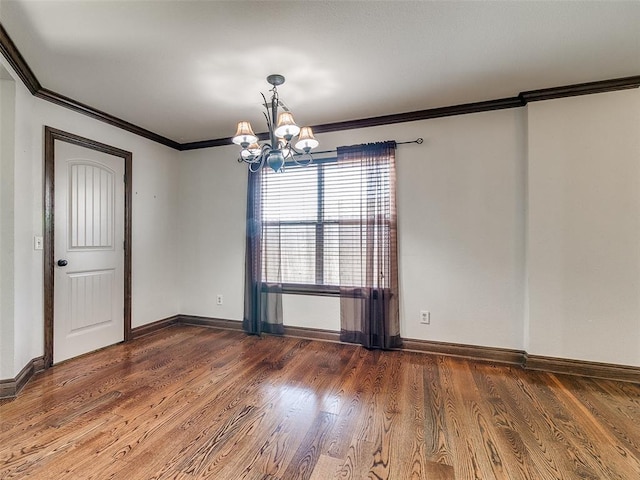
218,299
37,243
425,317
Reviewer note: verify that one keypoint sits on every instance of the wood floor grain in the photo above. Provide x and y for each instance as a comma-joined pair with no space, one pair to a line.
196,403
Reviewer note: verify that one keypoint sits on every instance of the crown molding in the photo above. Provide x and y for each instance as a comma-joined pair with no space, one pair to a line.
89,111
17,62
580,89
22,69
463,109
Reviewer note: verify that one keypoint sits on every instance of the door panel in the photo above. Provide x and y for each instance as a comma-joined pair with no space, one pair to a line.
89,236
91,222
91,294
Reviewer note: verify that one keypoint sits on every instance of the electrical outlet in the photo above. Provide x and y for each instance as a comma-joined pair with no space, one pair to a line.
218,299
425,317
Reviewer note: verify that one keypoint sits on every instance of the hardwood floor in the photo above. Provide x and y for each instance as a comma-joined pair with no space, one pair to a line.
192,403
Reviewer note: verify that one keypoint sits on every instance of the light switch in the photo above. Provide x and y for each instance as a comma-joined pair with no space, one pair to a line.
37,243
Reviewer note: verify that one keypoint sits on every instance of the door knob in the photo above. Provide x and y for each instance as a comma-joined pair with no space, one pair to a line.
62,263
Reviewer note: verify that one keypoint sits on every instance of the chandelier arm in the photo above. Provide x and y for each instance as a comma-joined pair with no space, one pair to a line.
258,162
294,154
266,116
295,150
253,169
301,156
268,120
289,149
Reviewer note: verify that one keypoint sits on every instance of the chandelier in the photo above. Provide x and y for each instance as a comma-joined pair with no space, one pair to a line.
283,130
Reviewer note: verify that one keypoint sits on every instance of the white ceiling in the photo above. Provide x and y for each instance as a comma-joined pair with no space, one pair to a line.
189,70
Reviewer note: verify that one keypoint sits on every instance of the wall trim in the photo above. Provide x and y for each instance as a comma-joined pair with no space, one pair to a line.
583,368
471,352
51,135
485,106
19,64
89,111
209,322
312,334
10,387
152,327
581,89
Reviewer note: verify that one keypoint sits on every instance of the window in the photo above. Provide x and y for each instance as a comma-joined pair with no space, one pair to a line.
327,229
312,233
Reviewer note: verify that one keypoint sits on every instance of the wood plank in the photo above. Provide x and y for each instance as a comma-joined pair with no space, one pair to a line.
189,402
307,455
436,433
326,468
508,438
409,437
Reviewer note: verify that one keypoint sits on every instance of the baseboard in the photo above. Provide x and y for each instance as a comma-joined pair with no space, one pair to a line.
143,330
209,322
10,387
489,354
185,320
471,352
583,368
312,334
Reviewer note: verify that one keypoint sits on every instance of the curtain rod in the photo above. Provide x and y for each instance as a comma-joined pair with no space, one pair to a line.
419,141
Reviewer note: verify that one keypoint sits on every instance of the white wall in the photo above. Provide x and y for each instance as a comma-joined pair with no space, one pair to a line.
561,177
213,191
461,234
26,262
7,121
461,238
311,311
155,209
584,228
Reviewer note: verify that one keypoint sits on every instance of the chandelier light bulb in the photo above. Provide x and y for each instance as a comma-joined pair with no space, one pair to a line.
251,152
287,127
306,141
244,135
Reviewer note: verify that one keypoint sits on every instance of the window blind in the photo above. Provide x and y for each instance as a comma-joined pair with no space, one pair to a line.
313,229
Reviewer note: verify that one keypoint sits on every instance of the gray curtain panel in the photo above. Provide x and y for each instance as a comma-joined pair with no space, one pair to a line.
369,312
262,302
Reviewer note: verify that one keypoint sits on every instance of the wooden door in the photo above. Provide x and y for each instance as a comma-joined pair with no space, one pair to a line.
88,250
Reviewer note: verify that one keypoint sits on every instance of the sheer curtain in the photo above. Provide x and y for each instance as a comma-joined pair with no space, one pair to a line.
262,301
369,313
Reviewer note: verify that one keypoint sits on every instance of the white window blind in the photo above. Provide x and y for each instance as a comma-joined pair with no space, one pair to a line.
314,230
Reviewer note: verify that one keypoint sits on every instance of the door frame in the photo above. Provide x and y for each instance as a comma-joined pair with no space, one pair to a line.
51,135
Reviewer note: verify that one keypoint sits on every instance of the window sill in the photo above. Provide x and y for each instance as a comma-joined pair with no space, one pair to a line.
296,289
